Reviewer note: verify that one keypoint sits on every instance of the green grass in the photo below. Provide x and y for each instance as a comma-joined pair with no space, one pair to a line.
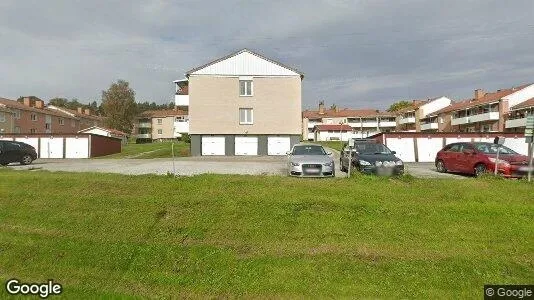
337,145
151,150
106,235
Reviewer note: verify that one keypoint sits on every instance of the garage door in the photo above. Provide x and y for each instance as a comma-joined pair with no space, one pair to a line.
278,145
212,145
51,148
76,148
246,145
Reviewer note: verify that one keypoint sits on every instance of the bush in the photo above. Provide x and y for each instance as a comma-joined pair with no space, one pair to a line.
186,138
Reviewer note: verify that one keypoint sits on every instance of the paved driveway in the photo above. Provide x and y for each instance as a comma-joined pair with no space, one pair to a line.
250,165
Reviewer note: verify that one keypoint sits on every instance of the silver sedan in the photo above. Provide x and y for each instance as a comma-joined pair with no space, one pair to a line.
308,160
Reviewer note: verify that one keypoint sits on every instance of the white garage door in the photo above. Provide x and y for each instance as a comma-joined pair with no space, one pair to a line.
51,148
77,148
427,148
246,145
213,145
278,145
403,147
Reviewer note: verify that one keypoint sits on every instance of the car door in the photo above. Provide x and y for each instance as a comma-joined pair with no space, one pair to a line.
12,151
464,160
3,155
451,157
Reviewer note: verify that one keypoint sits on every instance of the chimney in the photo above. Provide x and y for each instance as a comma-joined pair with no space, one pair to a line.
39,104
337,108
479,93
87,111
321,107
80,110
27,101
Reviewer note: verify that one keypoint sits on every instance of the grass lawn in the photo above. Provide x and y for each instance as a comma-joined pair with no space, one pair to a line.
337,145
106,235
152,150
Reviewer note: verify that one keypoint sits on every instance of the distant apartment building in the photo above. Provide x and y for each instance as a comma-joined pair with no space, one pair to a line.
6,119
362,122
84,116
487,111
517,117
420,116
32,116
159,125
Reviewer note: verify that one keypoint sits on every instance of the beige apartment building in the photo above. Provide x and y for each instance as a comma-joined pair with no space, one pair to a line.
159,125
243,104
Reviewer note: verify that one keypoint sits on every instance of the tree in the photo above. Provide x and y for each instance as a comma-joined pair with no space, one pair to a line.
399,105
119,107
59,102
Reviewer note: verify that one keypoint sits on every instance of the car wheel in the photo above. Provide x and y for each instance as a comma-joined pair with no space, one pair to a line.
26,160
440,166
480,169
3,164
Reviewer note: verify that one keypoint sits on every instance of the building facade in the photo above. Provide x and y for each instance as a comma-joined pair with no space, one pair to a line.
363,122
159,125
243,104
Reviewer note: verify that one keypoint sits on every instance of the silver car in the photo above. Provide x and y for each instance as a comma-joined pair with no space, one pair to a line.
308,160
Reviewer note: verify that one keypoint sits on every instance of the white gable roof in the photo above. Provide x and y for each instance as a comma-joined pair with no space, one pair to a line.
245,62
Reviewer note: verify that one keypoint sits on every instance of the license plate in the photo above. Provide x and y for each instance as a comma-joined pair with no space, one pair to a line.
313,171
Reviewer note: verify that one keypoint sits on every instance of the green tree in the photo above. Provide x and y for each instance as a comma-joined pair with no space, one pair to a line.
399,105
119,107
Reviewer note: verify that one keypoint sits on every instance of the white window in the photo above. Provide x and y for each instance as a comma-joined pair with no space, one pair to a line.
17,129
17,114
47,125
61,121
160,131
245,87
245,116
160,121
32,130
441,120
72,123
34,117
2,117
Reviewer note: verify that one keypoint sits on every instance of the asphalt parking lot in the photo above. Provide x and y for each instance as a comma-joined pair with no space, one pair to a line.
257,165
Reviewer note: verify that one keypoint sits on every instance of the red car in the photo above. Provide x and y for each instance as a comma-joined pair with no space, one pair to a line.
477,158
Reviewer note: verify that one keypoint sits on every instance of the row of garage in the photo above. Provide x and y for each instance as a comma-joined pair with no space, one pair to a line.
68,146
242,145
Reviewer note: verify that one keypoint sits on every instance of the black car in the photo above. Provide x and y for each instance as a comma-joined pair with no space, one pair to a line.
371,157
16,152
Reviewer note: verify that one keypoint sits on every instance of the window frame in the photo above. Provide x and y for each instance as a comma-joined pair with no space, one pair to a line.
246,121
251,88
33,117
2,117
160,131
61,121
159,121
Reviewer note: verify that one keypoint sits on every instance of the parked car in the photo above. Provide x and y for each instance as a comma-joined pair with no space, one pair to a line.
371,157
477,158
308,160
16,152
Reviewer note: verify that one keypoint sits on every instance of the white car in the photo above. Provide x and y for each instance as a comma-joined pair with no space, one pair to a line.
310,160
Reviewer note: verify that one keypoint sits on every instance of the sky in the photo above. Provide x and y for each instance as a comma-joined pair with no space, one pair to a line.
354,53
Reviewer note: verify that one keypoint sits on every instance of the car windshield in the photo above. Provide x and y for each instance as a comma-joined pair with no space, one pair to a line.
488,148
308,150
372,148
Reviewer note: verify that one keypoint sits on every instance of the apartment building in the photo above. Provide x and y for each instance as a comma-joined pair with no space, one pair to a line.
31,115
486,112
363,123
420,116
242,104
517,117
159,125
6,120
84,116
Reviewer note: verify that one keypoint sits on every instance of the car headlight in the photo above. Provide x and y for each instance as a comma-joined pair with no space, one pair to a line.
499,161
328,164
364,163
295,164
399,163
378,163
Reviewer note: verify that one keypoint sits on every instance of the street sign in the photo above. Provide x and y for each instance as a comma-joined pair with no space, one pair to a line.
529,129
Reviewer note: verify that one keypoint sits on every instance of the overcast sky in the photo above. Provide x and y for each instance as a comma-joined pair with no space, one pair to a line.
358,54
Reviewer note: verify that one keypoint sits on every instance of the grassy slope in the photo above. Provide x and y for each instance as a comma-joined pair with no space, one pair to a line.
156,149
250,236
